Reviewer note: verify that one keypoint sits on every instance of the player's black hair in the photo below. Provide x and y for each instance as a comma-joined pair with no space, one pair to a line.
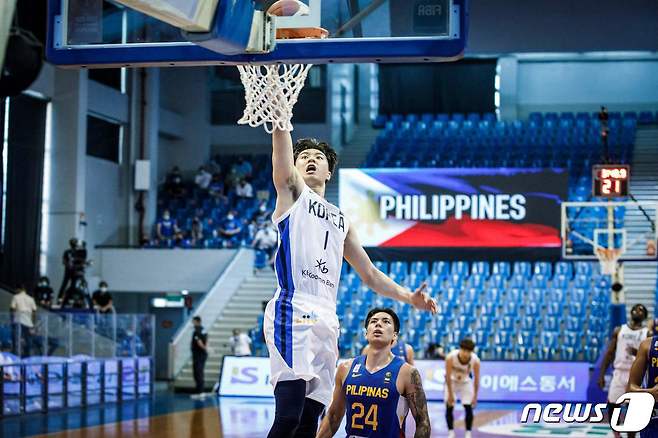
311,143
391,312
467,344
642,307
196,318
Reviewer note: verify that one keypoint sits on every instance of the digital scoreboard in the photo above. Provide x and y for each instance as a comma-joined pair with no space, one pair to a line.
610,180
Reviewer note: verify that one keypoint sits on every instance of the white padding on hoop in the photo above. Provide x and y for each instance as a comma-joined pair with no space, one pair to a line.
271,92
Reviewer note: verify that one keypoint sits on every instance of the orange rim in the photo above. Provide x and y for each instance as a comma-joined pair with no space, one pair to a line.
301,33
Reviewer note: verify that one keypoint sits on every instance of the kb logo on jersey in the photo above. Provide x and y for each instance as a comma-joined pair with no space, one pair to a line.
321,265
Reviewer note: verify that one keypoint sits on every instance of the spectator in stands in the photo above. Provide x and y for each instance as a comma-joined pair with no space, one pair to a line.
240,343
196,231
231,180
165,228
435,351
230,230
216,187
43,293
69,267
266,240
203,178
174,183
24,315
243,168
102,299
77,296
244,190
262,213
181,240
199,355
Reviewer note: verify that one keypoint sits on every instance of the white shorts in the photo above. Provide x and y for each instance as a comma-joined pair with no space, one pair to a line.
302,341
618,384
463,391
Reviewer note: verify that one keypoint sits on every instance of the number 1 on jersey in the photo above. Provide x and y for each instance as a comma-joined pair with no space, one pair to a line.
326,239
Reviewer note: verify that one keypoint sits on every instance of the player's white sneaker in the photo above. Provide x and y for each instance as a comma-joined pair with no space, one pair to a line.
451,434
467,434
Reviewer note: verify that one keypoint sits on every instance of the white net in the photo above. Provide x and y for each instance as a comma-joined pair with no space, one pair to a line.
608,260
271,92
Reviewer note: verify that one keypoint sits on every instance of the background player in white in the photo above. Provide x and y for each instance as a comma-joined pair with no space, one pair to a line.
301,326
459,383
622,348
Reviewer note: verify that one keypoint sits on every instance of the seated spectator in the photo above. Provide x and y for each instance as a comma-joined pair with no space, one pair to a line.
174,183
43,293
240,343
266,240
166,228
262,213
244,189
202,178
181,240
77,297
230,230
196,231
102,299
243,168
216,186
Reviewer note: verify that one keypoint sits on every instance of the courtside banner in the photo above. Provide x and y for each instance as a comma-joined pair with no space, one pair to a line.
499,380
455,208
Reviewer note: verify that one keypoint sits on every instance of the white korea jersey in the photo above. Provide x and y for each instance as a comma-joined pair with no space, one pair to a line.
461,372
627,337
310,257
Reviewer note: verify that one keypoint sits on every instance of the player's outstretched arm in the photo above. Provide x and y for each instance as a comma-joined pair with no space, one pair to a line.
332,420
376,280
287,180
476,383
639,368
609,357
415,395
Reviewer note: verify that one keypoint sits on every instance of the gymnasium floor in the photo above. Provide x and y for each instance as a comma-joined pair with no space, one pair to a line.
176,416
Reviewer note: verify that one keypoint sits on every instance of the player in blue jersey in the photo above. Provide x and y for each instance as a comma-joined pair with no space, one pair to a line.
645,369
300,324
401,349
377,391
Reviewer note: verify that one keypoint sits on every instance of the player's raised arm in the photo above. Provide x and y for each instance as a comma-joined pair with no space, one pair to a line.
380,282
415,395
287,180
609,357
332,420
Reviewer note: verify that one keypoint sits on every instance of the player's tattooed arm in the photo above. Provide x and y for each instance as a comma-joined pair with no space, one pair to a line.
415,396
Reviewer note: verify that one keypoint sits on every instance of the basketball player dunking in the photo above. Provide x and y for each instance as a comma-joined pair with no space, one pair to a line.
301,326
377,390
623,348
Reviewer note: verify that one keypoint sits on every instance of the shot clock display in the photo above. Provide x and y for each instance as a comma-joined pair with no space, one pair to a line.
610,180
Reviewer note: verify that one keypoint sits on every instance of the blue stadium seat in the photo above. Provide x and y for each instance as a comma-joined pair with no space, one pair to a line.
573,324
501,268
577,309
497,281
485,323
514,294
532,309
572,339
543,268
381,265
459,268
419,268
521,269
398,268
488,308
508,322
554,308
441,268
480,268
551,323
529,323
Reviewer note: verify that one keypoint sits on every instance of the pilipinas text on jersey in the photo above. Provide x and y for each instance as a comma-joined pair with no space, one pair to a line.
374,407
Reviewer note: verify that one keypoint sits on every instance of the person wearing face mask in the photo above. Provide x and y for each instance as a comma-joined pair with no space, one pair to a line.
230,230
166,227
622,349
102,299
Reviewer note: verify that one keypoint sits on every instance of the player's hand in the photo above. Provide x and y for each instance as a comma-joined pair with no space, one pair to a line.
451,400
422,301
474,402
654,392
601,382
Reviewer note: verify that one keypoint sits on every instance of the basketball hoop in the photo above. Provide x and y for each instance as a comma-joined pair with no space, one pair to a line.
608,259
271,91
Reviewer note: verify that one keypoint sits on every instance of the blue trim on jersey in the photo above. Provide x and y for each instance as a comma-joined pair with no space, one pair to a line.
283,312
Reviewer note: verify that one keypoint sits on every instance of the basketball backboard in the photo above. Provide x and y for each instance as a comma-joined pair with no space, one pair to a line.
629,227
103,33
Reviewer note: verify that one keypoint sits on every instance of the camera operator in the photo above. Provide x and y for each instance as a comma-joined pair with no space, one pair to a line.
67,261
